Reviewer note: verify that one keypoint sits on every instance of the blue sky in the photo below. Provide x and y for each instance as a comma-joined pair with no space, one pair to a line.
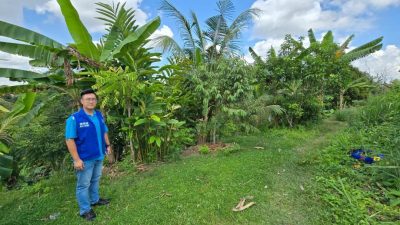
367,19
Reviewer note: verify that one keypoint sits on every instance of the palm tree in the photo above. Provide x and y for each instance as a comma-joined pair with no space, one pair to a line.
218,39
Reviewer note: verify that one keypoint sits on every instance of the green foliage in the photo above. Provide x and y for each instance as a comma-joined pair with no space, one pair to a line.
347,114
28,36
6,166
204,149
230,149
19,114
365,194
131,94
355,195
185,191
307,82
222,87
78,31
41,144
219,39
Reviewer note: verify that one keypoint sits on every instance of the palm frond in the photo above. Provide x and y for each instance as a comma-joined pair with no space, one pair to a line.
185,27
166,44
117,16
276,109
244,18
201,42
216,29
225,8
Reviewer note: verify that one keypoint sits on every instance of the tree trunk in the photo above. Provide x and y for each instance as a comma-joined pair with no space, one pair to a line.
341,99
130,137
214,135
202,136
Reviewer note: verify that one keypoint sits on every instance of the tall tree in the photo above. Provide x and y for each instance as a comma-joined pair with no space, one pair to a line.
219,38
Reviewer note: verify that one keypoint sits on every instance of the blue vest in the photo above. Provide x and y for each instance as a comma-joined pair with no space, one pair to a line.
86,141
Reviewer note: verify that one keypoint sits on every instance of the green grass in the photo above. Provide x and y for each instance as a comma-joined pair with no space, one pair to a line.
196,190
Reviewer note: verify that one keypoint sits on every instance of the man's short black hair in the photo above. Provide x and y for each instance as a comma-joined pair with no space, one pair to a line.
87,91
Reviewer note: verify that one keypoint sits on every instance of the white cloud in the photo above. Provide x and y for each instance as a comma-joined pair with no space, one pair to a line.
164,30
15,62
281,17
262,47
87,12
11,11
383,64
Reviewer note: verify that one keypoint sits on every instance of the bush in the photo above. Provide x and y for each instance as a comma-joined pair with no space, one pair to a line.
347,114
230,149
204,149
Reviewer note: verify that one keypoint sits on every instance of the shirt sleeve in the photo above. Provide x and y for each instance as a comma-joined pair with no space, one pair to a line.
70,128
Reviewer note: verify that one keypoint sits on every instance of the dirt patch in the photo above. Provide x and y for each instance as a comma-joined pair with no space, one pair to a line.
114,170
194,150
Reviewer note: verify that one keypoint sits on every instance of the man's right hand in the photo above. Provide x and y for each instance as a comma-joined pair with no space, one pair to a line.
78,164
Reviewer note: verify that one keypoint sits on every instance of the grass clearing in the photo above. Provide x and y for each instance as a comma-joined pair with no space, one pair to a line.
196,190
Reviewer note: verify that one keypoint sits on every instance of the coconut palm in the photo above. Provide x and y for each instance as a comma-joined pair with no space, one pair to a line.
218,39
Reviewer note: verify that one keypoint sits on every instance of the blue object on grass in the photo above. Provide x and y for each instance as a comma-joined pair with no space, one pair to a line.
360,154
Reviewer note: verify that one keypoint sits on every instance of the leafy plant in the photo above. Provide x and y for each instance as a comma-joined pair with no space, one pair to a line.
230,149
204,149
20,113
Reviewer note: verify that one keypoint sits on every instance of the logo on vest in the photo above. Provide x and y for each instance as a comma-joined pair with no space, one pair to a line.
83,124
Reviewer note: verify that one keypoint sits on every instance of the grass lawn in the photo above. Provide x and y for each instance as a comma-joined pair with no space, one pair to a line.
195,190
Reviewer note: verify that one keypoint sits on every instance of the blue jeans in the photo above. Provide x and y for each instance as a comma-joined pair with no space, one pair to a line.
87,186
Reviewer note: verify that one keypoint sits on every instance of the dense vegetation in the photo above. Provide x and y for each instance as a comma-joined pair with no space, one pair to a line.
206,93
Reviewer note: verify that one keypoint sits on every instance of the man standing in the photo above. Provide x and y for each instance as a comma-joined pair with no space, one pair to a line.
87,141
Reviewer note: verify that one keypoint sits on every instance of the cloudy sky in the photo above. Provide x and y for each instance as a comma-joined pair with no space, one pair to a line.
366,19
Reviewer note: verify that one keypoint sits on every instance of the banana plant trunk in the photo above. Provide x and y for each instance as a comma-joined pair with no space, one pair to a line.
202,135
132,150
341,99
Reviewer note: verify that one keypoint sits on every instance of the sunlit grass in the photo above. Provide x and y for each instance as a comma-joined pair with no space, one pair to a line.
196,190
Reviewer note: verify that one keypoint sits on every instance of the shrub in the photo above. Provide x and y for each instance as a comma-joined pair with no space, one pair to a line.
235,147
204,149
347,114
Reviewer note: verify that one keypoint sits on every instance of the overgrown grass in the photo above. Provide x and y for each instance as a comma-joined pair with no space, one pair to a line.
197,190
358,193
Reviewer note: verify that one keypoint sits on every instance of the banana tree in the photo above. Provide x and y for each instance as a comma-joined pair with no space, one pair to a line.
58,60
15,115
343,58
130,70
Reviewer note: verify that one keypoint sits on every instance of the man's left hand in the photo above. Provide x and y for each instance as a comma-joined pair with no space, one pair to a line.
109,150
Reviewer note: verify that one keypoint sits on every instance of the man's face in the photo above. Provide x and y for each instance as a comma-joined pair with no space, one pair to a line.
89,101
